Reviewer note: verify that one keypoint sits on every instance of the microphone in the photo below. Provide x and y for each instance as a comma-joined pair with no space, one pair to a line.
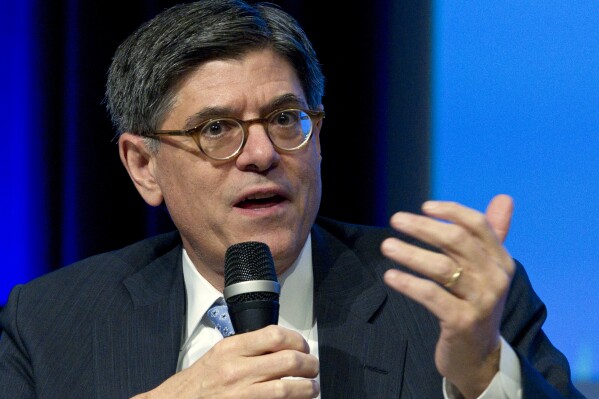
251,286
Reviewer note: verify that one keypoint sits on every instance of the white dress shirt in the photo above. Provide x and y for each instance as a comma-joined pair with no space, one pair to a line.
296,313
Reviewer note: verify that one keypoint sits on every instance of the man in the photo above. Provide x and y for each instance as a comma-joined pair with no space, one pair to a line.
218,106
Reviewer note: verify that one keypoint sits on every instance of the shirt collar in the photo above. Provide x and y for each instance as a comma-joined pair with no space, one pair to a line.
297,292
200,294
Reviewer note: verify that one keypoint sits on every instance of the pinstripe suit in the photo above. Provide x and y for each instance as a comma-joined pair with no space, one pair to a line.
110,326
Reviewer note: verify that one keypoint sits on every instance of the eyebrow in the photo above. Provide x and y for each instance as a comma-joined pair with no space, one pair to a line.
206,113
288,100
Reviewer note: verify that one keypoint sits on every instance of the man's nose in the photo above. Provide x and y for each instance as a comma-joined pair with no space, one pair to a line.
258,153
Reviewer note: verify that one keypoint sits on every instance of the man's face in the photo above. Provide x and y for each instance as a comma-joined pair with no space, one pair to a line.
261,195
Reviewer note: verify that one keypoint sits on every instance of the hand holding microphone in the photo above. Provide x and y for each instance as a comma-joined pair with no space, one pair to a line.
254,362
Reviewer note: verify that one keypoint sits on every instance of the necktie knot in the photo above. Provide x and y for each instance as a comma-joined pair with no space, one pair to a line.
218,314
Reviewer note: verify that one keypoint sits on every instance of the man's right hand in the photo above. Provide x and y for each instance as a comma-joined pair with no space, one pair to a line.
249,365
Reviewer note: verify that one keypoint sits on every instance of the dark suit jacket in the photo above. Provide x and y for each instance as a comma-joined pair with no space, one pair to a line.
111,326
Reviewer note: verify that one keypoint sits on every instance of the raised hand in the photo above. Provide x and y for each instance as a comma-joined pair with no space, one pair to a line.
464,285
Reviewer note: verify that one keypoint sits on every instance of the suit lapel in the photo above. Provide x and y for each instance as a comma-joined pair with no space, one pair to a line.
137,344
360,354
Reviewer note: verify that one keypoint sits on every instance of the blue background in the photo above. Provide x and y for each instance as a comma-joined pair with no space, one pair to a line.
516,110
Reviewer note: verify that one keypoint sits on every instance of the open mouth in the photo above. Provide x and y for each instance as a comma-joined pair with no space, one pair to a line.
260,202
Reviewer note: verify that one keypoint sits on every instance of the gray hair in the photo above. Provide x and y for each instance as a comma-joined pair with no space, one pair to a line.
150,63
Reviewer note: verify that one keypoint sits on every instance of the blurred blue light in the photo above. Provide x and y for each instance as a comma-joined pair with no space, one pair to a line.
22,201
515,110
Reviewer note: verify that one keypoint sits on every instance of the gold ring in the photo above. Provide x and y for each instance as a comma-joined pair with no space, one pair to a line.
454,277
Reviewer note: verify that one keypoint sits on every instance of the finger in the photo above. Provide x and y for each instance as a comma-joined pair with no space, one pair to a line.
499,214
266,340
450,238
471,220
436,299
478,224
286,363
230,370
434,265
291,389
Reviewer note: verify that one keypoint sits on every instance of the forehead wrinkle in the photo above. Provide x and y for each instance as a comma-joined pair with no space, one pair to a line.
288,100
211,112
219,77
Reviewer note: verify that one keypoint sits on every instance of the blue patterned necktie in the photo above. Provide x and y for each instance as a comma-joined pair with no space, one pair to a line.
219,316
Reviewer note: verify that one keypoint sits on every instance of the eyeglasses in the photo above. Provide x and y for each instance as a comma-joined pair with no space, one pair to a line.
223,138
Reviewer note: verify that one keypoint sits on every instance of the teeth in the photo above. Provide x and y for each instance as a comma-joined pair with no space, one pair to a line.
258,196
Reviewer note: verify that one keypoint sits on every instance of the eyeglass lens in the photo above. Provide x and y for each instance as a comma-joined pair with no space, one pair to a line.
222,138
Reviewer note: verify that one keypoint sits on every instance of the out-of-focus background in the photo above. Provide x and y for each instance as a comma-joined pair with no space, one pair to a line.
429,99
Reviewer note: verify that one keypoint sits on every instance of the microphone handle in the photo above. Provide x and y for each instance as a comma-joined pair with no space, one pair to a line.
253,315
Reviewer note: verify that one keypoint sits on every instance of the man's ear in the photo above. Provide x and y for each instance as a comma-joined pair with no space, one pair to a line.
141,166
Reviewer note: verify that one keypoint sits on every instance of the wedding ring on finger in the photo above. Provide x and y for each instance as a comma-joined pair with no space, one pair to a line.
454,277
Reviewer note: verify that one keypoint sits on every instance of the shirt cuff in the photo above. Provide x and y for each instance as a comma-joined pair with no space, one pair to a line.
506,384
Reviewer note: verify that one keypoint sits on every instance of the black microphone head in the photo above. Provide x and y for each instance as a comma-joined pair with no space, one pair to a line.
251,286
249,261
